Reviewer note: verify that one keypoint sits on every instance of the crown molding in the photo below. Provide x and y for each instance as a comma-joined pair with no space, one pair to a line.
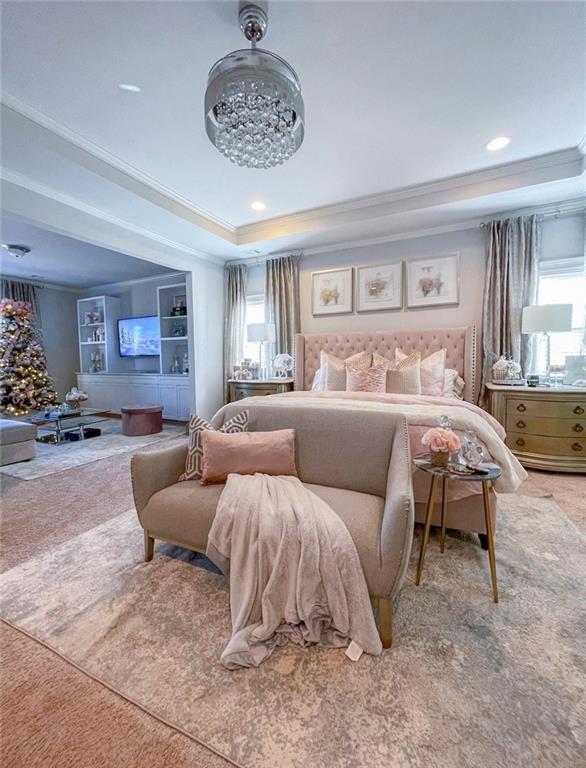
114,169
121,284
554,166
549,210
30,185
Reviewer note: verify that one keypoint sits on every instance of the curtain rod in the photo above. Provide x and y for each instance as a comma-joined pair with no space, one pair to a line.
11,279
255,261
555,214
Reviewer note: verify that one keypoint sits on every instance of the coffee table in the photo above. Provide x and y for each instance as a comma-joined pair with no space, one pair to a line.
57,425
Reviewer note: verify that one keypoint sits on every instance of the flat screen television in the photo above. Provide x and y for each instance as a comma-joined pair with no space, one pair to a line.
139,336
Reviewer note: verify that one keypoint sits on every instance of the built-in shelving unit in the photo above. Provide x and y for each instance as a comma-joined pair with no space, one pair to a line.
174,330
98,341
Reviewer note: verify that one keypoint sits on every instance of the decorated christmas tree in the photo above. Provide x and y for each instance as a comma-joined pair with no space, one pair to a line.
25,384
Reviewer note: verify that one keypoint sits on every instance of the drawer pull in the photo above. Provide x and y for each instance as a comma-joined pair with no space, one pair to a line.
521,407
577,447
521,424
578,428
519,441
578,410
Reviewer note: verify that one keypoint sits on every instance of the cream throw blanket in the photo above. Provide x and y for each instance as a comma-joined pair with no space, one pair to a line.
295,575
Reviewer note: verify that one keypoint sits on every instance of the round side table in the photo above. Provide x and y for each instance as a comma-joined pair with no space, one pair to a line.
442,475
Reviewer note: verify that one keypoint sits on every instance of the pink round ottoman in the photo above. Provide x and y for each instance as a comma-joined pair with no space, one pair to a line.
141,419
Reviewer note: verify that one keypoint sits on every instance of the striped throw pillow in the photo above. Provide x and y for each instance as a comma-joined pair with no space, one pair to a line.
194,460
372,379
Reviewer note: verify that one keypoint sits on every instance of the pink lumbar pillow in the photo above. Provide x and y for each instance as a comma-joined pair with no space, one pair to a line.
432,372
246,453
367,379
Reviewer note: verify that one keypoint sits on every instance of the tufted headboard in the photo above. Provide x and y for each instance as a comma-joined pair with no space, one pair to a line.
460,344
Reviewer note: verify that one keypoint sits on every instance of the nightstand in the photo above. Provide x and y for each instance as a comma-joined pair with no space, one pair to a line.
546,426
238,389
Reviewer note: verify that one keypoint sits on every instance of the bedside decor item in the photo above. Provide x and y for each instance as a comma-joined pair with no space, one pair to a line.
546,426
283,365
471,449
194,457
331,291
261,333
508,372
254,111
379,288
441,443
74,398
575,375
546,319
533,380
433,282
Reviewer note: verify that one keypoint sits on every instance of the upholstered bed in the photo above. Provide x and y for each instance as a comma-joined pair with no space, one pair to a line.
465,511
460,344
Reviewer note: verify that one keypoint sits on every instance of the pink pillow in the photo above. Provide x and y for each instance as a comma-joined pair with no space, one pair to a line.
367,379
245,453
432,372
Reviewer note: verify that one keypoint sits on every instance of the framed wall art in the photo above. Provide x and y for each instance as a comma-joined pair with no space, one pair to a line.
379,287
331,291
434,281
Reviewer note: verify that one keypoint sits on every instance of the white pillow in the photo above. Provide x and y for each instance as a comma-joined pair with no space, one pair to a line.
316,384
453,384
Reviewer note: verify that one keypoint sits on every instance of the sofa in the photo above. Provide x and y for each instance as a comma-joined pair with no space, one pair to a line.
17,441
357,462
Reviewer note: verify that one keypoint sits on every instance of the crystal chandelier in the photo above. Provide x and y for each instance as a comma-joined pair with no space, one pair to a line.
253,104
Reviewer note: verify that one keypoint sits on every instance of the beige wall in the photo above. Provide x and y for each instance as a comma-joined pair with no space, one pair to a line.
469,243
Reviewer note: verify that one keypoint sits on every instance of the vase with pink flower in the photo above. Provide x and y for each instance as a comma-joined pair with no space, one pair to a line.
441,443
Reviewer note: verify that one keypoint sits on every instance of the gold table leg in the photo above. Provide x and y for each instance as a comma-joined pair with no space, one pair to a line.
444,505
489,536
434,483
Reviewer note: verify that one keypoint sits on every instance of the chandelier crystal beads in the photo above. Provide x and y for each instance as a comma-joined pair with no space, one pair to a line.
253,103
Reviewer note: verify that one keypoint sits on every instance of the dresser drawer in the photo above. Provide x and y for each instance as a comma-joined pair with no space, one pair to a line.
551,446
538,425
548,409
238,393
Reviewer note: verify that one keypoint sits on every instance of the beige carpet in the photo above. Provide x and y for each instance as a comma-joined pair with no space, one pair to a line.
467,683
51,459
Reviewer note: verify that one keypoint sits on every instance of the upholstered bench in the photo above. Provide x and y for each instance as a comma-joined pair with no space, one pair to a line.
17,441
141,419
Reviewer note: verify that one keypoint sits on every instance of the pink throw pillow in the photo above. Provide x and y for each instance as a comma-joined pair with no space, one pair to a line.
367,379
245,453
432,372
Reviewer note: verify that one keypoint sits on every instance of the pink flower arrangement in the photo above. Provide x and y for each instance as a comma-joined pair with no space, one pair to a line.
441,440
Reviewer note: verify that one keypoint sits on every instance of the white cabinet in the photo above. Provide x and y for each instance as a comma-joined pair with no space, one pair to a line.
112,391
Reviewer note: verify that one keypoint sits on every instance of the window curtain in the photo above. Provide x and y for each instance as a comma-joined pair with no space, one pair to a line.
510,284
19,291
235,318
282,301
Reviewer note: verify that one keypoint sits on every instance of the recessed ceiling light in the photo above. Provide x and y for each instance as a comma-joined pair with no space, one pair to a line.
16,250
129,87
500,142
258,205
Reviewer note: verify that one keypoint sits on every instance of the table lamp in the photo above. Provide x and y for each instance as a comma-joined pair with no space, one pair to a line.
260,333
546,319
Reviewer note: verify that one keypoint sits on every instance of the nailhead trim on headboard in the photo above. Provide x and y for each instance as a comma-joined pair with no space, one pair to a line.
460,344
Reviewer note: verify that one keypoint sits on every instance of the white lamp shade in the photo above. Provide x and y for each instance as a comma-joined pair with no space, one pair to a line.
549,318
261,332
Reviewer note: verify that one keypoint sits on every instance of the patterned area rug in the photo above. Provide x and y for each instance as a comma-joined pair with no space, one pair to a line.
467,682
57,458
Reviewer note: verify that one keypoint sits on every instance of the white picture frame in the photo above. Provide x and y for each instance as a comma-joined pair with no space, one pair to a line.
332,291
434,281
379,287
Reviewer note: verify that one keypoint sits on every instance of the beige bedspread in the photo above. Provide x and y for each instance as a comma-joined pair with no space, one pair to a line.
421,412
295,575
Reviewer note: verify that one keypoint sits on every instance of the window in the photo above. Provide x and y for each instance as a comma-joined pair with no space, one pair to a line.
561,281
255,313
